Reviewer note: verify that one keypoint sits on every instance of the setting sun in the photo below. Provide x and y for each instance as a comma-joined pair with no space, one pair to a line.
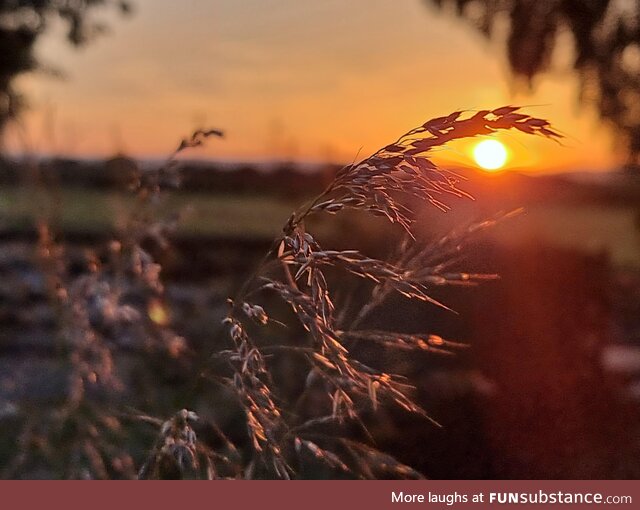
490,155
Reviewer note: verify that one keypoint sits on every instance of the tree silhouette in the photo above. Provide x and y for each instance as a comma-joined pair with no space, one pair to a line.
606,36
22,22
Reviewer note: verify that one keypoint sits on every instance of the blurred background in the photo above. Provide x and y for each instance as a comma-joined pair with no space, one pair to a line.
96,93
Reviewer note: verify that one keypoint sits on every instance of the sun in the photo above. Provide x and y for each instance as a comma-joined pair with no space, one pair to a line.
490,155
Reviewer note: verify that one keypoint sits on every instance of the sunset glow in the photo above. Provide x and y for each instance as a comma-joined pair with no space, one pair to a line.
287,92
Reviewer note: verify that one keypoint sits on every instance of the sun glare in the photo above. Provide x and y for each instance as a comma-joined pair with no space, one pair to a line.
490,155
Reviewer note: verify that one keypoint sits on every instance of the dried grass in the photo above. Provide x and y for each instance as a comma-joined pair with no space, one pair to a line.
379,184
94,317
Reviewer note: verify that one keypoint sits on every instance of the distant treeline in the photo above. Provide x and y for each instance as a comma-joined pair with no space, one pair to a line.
120,172
513,189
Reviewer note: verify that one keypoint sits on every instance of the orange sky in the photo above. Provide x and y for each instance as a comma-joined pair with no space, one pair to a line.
299,79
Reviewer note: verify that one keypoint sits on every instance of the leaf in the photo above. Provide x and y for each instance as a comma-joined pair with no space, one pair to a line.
505,110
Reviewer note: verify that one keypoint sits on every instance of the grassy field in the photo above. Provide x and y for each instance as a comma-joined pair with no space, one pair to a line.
591,229
88,210
587,228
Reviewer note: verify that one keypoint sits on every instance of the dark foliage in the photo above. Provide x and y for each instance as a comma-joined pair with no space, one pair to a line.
22,22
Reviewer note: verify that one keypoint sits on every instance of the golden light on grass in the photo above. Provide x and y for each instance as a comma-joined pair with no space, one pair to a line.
158,313
490,155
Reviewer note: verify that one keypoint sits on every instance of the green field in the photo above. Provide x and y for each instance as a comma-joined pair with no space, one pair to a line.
590,228
90,210
587,228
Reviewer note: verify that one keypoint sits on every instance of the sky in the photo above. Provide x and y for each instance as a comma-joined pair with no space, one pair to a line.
292,79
